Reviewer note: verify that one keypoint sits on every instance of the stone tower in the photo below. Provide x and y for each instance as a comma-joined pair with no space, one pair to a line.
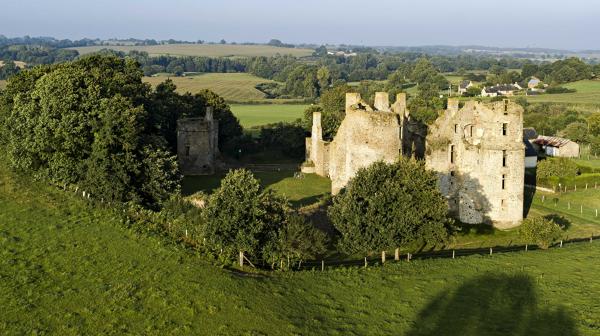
197,144
478,153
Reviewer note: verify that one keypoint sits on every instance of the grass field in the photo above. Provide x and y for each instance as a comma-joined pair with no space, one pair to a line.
255,115
588,93
209,50
69,269
230,86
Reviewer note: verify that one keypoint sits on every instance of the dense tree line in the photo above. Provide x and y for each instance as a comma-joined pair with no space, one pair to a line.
93,123
34,55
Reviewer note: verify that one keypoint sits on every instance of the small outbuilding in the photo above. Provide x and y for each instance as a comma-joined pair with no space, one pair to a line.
531,155
556,147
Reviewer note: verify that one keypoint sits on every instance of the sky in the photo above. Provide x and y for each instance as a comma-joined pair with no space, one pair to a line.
560,24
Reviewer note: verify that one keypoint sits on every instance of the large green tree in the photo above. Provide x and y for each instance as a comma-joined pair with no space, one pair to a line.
93,123
386,206
241,217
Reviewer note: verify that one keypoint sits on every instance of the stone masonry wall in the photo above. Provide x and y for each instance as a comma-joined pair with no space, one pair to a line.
479,156
197,144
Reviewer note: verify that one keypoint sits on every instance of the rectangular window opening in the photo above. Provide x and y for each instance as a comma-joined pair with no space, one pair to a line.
504,129
451,153
504,158
503,204
505,107
455,128
503,181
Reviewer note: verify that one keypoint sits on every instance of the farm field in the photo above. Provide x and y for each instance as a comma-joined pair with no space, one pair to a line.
68,268
230,86
588,93
208,50
256,115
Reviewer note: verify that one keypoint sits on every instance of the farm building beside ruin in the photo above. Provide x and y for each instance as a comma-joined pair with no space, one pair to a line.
477,151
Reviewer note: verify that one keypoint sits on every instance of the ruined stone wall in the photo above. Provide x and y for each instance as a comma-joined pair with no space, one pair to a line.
476,150
365,136
197,144
479,156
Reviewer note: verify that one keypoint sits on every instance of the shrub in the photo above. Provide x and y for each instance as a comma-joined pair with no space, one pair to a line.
389,205
295,241
542,231
559,89
556,167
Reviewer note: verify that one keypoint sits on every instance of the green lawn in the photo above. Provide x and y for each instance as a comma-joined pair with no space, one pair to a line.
255,115
69,269
208,50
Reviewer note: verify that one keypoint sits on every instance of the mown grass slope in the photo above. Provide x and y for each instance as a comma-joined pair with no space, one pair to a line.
209,50
68,268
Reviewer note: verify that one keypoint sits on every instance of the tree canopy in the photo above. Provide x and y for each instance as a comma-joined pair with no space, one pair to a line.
386,206
93,123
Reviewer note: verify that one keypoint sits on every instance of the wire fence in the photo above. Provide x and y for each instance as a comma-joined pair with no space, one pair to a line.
324,264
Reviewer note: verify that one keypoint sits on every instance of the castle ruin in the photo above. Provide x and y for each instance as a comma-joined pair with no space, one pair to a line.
477,152
197,144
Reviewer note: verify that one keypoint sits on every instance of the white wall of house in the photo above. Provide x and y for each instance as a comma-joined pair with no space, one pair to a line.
530,161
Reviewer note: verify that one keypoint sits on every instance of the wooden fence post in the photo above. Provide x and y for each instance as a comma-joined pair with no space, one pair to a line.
382,257
453,253
561,242
397,254
526,247
366,262
490,251
241,259
322,265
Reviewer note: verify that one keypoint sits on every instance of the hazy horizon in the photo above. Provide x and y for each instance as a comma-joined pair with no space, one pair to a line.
534,24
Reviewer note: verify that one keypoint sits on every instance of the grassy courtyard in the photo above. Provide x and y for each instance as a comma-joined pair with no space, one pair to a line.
68,268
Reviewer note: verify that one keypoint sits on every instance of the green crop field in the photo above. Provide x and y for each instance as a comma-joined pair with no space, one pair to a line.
231,86
67,268
588,93
255,115
209,50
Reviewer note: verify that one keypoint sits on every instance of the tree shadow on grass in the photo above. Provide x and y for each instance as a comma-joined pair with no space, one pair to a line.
492,304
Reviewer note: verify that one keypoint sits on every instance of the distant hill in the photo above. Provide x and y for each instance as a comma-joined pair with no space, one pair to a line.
209,50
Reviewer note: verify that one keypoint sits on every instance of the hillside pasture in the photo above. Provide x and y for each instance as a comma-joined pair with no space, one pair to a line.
208,50
588,93
69,268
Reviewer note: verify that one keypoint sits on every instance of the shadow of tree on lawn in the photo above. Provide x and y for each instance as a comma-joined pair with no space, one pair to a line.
492,304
